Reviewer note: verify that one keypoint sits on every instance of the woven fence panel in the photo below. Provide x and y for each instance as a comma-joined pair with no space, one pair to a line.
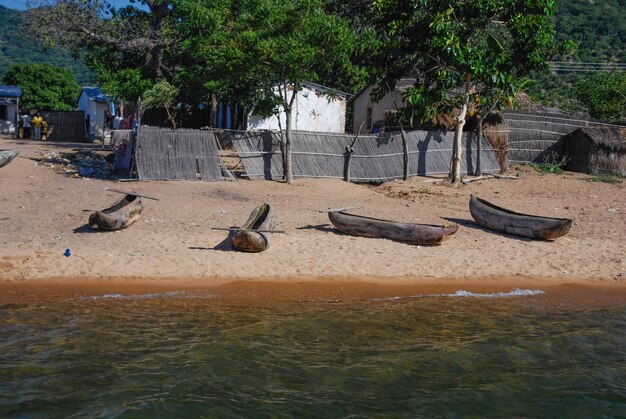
177,155
375,158
65,125
537,137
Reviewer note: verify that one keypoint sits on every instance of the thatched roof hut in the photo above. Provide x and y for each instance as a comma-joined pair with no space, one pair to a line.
600,150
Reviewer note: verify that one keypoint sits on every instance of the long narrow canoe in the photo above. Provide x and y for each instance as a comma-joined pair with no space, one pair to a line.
119,215
506,221
357,225
263,219
6,156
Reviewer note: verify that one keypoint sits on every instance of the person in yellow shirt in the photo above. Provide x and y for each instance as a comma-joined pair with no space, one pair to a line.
37,123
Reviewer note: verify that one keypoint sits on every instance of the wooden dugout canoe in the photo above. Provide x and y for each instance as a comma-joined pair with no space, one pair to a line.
533,226
261,218
357,225
119,215
7,156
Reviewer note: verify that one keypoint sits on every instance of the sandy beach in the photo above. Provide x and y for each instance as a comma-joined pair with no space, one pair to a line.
42,214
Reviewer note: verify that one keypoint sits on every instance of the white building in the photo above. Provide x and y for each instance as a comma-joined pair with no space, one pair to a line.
372,114
9,108
316,108
95,105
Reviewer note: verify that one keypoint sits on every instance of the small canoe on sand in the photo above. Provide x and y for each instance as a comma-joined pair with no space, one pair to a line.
500,219
263,219
119,215
6,156
425,234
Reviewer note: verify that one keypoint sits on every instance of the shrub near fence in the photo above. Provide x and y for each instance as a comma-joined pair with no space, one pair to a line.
65,125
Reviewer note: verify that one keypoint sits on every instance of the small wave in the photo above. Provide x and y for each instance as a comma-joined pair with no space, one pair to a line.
171,294
517,292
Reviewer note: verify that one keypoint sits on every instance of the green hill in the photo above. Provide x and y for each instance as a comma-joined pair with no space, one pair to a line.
599,28
16,47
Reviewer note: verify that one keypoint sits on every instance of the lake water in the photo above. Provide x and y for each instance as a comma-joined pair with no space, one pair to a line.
190,355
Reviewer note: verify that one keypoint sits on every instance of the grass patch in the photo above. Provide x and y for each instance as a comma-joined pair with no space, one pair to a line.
551,164
612,179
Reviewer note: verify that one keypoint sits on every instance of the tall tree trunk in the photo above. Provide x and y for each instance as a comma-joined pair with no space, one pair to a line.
455,165
213,110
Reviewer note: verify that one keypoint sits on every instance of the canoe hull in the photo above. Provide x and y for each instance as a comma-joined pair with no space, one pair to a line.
421,234
119,215
500,219
7,156
261,218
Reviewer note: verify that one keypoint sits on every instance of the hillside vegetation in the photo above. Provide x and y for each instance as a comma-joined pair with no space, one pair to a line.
16,47
599,28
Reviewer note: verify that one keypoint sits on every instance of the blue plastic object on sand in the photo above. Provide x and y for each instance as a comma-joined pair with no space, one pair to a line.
67,253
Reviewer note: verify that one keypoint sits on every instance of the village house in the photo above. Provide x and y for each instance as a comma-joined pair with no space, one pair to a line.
9,108
372,114
316,108
94,104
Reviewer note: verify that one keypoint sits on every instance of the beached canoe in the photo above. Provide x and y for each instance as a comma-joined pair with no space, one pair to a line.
500,219
119,215
356,225
6,156
262,219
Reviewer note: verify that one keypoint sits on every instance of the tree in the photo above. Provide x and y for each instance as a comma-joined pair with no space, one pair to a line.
604,95
44,86
87,27
271,47
162,95
457,47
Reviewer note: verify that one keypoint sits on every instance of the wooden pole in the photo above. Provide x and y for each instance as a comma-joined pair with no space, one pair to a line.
247,229
131,193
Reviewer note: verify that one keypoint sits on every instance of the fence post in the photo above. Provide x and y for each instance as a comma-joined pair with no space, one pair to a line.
348,154
405,151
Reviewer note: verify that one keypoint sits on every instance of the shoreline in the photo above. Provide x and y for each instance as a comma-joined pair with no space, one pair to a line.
258,290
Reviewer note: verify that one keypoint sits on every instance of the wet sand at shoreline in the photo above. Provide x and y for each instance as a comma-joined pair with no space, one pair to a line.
570,293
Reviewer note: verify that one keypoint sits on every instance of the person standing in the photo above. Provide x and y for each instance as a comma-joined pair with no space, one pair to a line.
37,122
117,120
26,123
44,129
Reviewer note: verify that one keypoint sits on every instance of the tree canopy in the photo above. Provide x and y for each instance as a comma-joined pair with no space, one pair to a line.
44,86
604,95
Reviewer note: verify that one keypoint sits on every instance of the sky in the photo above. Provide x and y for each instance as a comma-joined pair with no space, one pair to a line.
21,4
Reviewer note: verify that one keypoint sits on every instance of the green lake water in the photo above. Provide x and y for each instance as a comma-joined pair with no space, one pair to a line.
188,355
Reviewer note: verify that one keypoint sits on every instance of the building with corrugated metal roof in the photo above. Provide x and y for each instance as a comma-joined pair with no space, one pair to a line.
9,108
94,103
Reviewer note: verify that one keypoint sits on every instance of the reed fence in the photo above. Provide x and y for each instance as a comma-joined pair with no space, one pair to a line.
65,125
181,154
374,159
534,138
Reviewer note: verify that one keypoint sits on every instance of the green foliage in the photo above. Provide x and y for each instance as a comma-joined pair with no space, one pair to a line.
456,48
126,84
17,47
604,95
162,95
599,29
44,86
490,43
551,164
